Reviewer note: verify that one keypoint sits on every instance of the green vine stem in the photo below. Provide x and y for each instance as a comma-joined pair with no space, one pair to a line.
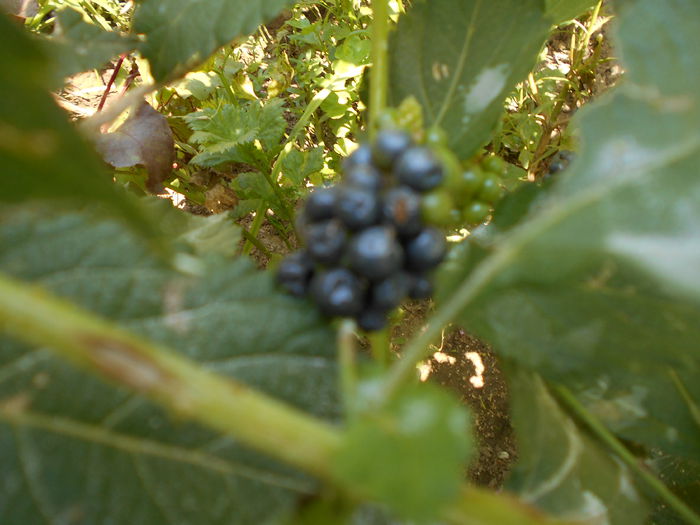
261,422
379,74
30,314
255,227
379,343
603,434
347,363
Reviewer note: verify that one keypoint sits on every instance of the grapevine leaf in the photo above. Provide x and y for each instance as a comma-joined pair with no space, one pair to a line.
181,33
560,11
465,58
596,287
412,454
559,469
75,449
41,154
681,476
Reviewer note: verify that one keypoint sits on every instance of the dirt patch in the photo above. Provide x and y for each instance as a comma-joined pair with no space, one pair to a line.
469,368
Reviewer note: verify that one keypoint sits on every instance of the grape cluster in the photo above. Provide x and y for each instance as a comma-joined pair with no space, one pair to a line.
367,246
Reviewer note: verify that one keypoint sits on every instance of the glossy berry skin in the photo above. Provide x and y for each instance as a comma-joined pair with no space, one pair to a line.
494,164
374,253
402,209
363,176
426,250
372,319
467,183
435,136
362,156
338,292
419,169
325,241
320,204
421,287
388,293
389,146
490,190
294,273
476,212
437,207
358,208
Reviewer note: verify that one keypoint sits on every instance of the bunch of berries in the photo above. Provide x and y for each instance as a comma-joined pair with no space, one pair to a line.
367,246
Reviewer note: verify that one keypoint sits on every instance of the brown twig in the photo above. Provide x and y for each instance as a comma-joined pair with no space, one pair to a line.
111,80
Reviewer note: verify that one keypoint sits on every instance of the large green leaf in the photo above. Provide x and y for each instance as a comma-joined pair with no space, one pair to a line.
76,450
560,11
561,470
41,154
461,58
80,46
181,33
598,287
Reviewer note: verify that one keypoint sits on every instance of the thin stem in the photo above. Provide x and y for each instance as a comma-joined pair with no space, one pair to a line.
602,433
379,344
346,363
255,227
110,82
252,239
379,74
188,390
278,193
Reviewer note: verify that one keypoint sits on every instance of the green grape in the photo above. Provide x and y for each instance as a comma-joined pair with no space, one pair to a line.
494,164
436,137
476,212
466,183
490,190
436,208
456,218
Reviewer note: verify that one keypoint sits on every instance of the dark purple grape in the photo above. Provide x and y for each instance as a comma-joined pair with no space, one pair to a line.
388,293
375,253
419,169
325,241
338,292
363,176
357,208
362,156
320,204
295,272
402,209
426,250
421,287
388,147
372,319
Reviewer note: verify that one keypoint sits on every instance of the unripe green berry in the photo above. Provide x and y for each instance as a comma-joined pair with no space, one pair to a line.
494,164
436,137
490,190
476,212
466,183
436,208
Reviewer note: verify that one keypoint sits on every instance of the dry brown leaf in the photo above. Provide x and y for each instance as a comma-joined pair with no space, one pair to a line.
143,139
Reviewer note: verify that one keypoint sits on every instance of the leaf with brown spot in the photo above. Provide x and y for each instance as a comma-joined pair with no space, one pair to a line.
143,139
